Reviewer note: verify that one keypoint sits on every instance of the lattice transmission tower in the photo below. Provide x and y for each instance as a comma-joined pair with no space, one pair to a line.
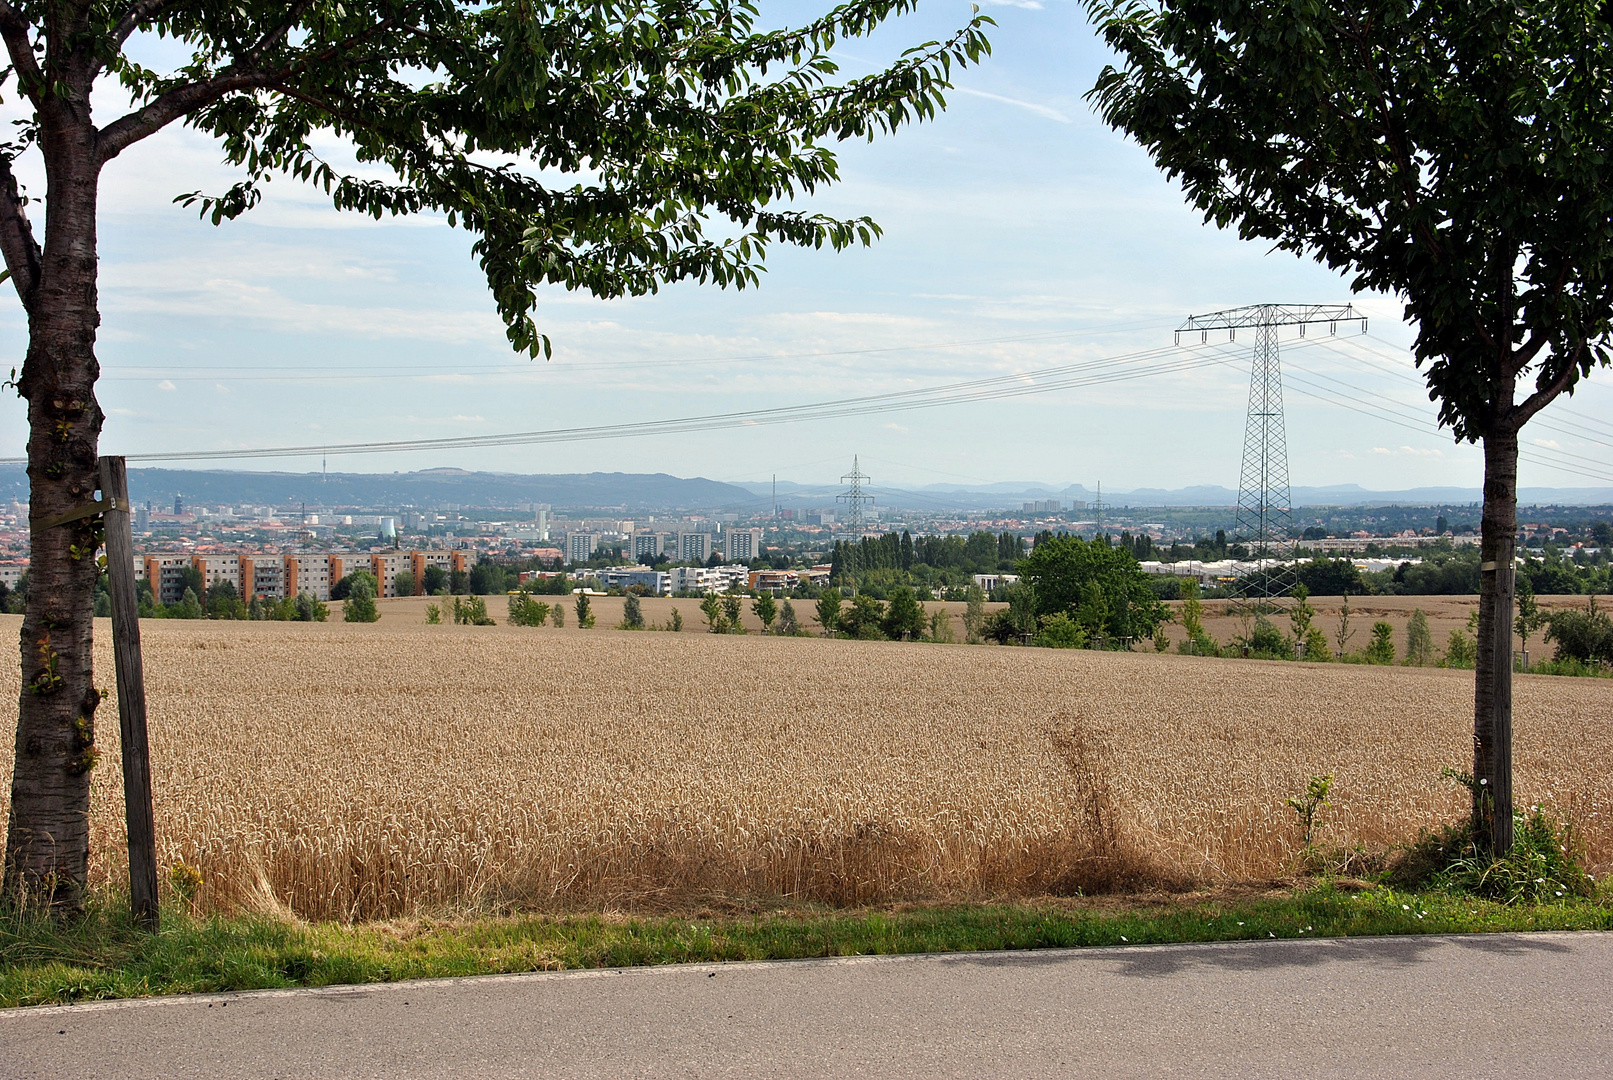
855,500
1265,515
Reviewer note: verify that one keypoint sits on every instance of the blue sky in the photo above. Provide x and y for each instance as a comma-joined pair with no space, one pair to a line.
1016,221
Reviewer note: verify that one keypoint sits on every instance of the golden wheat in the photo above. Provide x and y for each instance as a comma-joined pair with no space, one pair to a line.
347,771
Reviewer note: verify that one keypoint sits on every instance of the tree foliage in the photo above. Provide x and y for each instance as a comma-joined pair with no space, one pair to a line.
1099,586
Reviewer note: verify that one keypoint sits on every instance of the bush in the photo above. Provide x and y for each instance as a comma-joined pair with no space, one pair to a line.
525,611
471,611
1544,865
632,613
1586,636
1381,649
1316,648
1266,641
1461,651
788,624
1059,631
1419,641
585,612
360,603
863,618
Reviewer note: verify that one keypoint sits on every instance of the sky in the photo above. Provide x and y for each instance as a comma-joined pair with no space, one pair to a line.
1020,234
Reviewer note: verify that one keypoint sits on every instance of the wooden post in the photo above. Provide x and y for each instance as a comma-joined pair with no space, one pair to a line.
131,693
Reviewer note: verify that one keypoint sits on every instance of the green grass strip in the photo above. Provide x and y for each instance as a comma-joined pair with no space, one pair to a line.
104,956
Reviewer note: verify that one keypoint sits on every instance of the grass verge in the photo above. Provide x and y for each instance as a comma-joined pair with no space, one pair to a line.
105,957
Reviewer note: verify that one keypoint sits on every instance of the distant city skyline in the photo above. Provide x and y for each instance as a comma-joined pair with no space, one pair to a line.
1020,234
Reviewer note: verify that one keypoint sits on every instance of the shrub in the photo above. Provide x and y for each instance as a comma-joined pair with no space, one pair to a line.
632,613
788,625
471,611
1266,641
1419,641
940,627
526,611
1059,631
829,611
310,610
862,619
904,617
1586,636
434,614
585,612
1381,649
360,603
711,608
765,608
1461,651
1316,647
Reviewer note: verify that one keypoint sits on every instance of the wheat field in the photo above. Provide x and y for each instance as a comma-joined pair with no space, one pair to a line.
371,771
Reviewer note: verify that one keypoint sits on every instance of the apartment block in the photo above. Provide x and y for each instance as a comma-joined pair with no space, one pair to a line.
743,544
694,546
695,579
658,582
310,572
166,574
580,547
263,575
218,570
646,545
386,567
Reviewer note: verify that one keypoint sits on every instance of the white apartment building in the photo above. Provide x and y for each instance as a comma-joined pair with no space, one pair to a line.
742,544
659,582
694,546
309,573
695,579
580,547
646,545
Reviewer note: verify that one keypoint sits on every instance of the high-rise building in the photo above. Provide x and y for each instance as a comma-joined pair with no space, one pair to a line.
580,546
743,544
646,545
694,546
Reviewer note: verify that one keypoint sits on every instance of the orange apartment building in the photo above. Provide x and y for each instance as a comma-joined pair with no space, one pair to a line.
275,576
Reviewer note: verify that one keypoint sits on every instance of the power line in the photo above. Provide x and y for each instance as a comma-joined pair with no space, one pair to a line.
1093,372
435,370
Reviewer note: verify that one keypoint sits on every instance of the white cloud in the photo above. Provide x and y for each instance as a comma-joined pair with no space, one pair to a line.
1047,112
167,384
1552,443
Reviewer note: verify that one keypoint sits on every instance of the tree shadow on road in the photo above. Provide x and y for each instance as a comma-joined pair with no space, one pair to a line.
1155,961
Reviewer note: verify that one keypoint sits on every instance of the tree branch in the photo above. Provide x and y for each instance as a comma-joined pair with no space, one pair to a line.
17,243
1525,411
133,19
130,128
14,29
254,55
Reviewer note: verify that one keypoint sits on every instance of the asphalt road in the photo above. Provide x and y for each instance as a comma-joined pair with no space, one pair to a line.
1533,1005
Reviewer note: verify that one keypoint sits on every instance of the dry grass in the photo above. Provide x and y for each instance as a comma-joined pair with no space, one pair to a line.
401,769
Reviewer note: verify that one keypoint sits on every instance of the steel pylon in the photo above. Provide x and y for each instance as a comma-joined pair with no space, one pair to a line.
1265,515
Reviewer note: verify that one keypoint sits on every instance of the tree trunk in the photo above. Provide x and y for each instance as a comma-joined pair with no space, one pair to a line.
47,837
1492,692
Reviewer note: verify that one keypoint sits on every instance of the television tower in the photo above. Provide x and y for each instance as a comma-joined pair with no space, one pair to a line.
1265,515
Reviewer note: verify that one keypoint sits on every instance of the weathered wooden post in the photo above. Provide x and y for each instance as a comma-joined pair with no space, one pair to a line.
131,692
